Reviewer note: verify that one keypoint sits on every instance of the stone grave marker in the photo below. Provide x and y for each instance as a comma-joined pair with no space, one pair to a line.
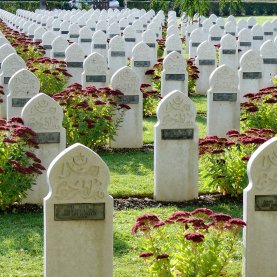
173,43
129,134
141,61
113,30
10,65
268,52
206,25
189,29
5,51
91,23
149,38
257,37
102,26
23,85
64,29
47,40
223,106
268,30
100,44
95,71
228,51
56,26
206,63
260,213
38,33
176,144
241,25
85,39
78,216
117,54
215,34
251,21
196,38
74,57
220,22
174,75
138,27
130,40
59,45
44,116
73,32
31,30
250,73
230,28
244,41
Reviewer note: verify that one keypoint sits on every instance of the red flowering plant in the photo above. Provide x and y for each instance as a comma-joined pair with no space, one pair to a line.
91,115
260,110
24,46
223,161
19,166
52,74
197,243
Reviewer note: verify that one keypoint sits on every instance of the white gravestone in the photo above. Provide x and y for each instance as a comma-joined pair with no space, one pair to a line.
174,75
64,29
100,44
268,53
228,51
129,134
223,106
196,38
102,25
11,64
257,37
113,30
117,57
250,73
59,45
5,51
23,85
56,26
206,63
268,30
47,40
241,25
91,23
44,116
39,33
260,213
74,57
73,34
149,37
95,71
230,28
251,21
141,61
244,41
85,39
176,149
215,34
130,39
173,43
78,216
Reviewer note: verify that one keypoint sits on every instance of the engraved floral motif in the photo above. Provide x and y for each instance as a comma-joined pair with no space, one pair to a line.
79,179
126,81
267,180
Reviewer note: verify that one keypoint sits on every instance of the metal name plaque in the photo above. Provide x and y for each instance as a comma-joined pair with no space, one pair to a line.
74,35
169,51
6,80
270,61
19,102
128,99
268,33
113,35
86,40
221,27
245,43
229,51
151,45
141,63
265,202
175,77
252,75
230,97
50,137
122,28
177,134
82,211
96,78
64,32
59,54
93,29
231,33
206,62
258,37
43,24
215,38
130,39
31,36
56,29
99,46
75,64
47,47
275,29
118,53
195,44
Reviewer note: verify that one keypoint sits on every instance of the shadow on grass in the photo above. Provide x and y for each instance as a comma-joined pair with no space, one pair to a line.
120,247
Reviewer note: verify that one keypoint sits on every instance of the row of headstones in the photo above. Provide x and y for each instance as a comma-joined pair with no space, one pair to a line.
78,206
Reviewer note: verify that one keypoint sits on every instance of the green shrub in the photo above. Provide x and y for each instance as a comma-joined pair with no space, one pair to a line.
260,111
197,243
19,166
89,114
223,160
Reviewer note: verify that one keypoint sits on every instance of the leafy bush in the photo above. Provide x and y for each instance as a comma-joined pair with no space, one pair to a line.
223,160
158,5
198,243
19,166
88,114
260,111
52,74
